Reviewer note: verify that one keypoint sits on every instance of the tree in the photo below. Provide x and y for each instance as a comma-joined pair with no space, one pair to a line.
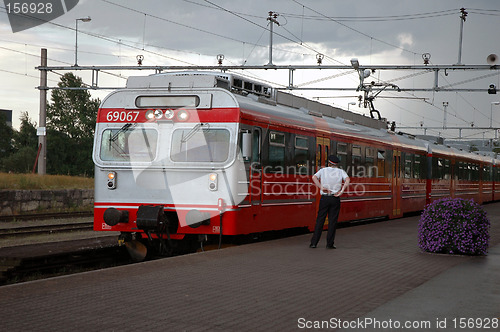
6,137
71,120
72,111
26,136
24,145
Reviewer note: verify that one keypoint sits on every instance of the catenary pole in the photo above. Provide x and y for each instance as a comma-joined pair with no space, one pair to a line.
41,131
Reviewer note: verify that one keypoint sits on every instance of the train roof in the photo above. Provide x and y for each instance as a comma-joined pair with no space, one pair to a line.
261,97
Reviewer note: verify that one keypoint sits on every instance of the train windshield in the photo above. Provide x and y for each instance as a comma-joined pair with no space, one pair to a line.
129,144
200,144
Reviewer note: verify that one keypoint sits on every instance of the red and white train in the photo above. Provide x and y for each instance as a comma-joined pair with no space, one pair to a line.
184,157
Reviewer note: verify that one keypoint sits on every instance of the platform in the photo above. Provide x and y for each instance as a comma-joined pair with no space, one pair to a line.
377,274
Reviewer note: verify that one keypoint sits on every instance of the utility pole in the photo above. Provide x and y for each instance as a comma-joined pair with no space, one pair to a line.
462,20
41,130
445,106
272,19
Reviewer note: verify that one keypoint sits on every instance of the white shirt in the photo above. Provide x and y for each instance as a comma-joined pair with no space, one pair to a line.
331,178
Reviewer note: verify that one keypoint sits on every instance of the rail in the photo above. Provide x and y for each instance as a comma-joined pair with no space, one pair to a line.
43,216
44,229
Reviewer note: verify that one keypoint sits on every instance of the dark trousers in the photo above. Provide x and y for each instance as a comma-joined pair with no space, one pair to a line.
328,205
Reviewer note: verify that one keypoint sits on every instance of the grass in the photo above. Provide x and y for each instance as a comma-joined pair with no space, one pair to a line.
34,181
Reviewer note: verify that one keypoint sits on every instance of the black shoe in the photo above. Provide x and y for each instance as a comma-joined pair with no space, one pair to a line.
331,247
312,246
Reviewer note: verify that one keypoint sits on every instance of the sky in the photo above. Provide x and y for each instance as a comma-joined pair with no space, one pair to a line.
194,32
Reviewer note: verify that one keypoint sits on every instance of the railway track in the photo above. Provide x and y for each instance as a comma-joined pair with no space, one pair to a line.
44,229
44,216
50,244
19,269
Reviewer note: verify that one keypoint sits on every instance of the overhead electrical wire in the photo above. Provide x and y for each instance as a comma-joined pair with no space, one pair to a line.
355,30
468,81
375,18
299,42
347,18
362,33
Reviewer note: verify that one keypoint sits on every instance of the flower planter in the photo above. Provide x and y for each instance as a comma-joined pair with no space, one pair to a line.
454,226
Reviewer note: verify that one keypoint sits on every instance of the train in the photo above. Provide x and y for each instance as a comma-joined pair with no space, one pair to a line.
184,158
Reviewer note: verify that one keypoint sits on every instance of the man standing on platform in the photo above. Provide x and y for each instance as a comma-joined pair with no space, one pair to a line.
329,181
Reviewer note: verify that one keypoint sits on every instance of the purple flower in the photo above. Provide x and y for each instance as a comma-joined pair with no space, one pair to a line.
454,226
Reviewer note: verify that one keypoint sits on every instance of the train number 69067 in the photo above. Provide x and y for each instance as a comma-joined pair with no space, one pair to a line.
122,116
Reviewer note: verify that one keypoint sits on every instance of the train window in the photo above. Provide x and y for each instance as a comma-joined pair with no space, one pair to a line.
441,168
209,145
301,143
356,161
467,171
370,162
237,83
419,167
129,145
463,171
487,176
256,146
277,138
437,168
475,172
342,148
277,151
356,150
248,86
447,169
167,101
408,165
301,158
318,155
342,155
380,163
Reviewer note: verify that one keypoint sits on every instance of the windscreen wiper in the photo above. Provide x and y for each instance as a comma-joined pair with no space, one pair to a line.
122,129
194,130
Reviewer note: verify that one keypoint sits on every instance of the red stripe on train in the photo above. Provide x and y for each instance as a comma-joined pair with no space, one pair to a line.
122,115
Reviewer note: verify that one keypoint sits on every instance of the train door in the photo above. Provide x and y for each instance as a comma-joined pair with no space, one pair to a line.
322,151
396,184
256,172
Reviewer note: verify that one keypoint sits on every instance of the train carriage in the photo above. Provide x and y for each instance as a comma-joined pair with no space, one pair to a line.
185,157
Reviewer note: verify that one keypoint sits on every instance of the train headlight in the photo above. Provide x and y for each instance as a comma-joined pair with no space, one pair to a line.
150,115
169,114
111,180
158,114
183,115
212,181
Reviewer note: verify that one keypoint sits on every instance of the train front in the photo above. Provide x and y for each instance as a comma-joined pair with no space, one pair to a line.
167,162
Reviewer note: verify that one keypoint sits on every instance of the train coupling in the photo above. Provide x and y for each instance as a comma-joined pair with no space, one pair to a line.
150,217
124,238
137,250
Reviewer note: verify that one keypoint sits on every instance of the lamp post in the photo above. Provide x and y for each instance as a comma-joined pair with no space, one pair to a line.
491,112
83,19
351,103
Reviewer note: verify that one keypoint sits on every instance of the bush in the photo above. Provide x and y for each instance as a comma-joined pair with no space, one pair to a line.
454,226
